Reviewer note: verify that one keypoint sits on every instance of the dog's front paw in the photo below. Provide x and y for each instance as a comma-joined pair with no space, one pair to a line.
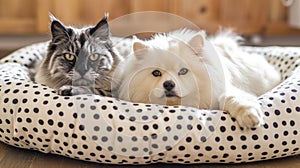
246,110
249,117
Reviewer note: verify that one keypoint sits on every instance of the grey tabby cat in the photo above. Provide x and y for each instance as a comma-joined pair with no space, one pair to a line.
79,61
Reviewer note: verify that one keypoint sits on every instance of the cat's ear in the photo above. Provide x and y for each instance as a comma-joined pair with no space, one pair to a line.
101,30
58,30
197,42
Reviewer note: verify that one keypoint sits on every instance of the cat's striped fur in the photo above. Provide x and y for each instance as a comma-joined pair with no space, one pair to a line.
79,61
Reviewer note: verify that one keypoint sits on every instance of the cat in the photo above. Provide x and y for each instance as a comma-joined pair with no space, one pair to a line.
79,60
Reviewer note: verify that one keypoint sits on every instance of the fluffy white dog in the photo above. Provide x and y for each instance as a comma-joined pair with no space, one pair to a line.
185,68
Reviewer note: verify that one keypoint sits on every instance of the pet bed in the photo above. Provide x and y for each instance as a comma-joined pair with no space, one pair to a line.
108,130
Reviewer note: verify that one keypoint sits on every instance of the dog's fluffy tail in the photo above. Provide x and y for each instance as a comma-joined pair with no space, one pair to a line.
226,39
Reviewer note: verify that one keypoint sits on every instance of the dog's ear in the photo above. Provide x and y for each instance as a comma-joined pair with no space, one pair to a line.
197,42
138,46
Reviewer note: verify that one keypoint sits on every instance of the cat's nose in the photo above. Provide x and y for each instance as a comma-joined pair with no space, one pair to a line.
81,68
169,85
82,73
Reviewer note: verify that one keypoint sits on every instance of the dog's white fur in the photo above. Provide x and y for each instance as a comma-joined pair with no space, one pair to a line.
220,75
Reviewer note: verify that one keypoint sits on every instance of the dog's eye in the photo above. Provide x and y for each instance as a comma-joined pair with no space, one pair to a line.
183,71
156,73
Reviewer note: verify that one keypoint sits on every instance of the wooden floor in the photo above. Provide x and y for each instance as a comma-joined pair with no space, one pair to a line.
12,157
4,53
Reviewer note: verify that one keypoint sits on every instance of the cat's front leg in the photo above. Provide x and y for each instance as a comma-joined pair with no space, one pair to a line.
244,107
69,90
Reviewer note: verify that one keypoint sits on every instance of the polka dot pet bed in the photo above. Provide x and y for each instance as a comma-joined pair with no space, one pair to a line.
108,130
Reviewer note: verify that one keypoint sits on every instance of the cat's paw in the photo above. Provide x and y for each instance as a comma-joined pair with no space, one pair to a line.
66,91
249,117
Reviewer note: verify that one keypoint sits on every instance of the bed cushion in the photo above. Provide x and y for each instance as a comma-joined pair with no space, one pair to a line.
107,130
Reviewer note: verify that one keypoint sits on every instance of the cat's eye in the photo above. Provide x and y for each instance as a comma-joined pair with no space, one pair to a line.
69,57
183,71
156,73
94,57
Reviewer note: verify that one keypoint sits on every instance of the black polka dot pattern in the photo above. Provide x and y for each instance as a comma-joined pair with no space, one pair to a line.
107,130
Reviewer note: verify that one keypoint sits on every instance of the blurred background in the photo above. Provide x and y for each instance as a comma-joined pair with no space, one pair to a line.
261,22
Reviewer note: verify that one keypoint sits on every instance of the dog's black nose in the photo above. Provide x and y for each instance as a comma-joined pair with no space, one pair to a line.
169,85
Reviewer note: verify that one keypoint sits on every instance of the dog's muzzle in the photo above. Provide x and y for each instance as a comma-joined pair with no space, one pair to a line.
170,94
169,85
